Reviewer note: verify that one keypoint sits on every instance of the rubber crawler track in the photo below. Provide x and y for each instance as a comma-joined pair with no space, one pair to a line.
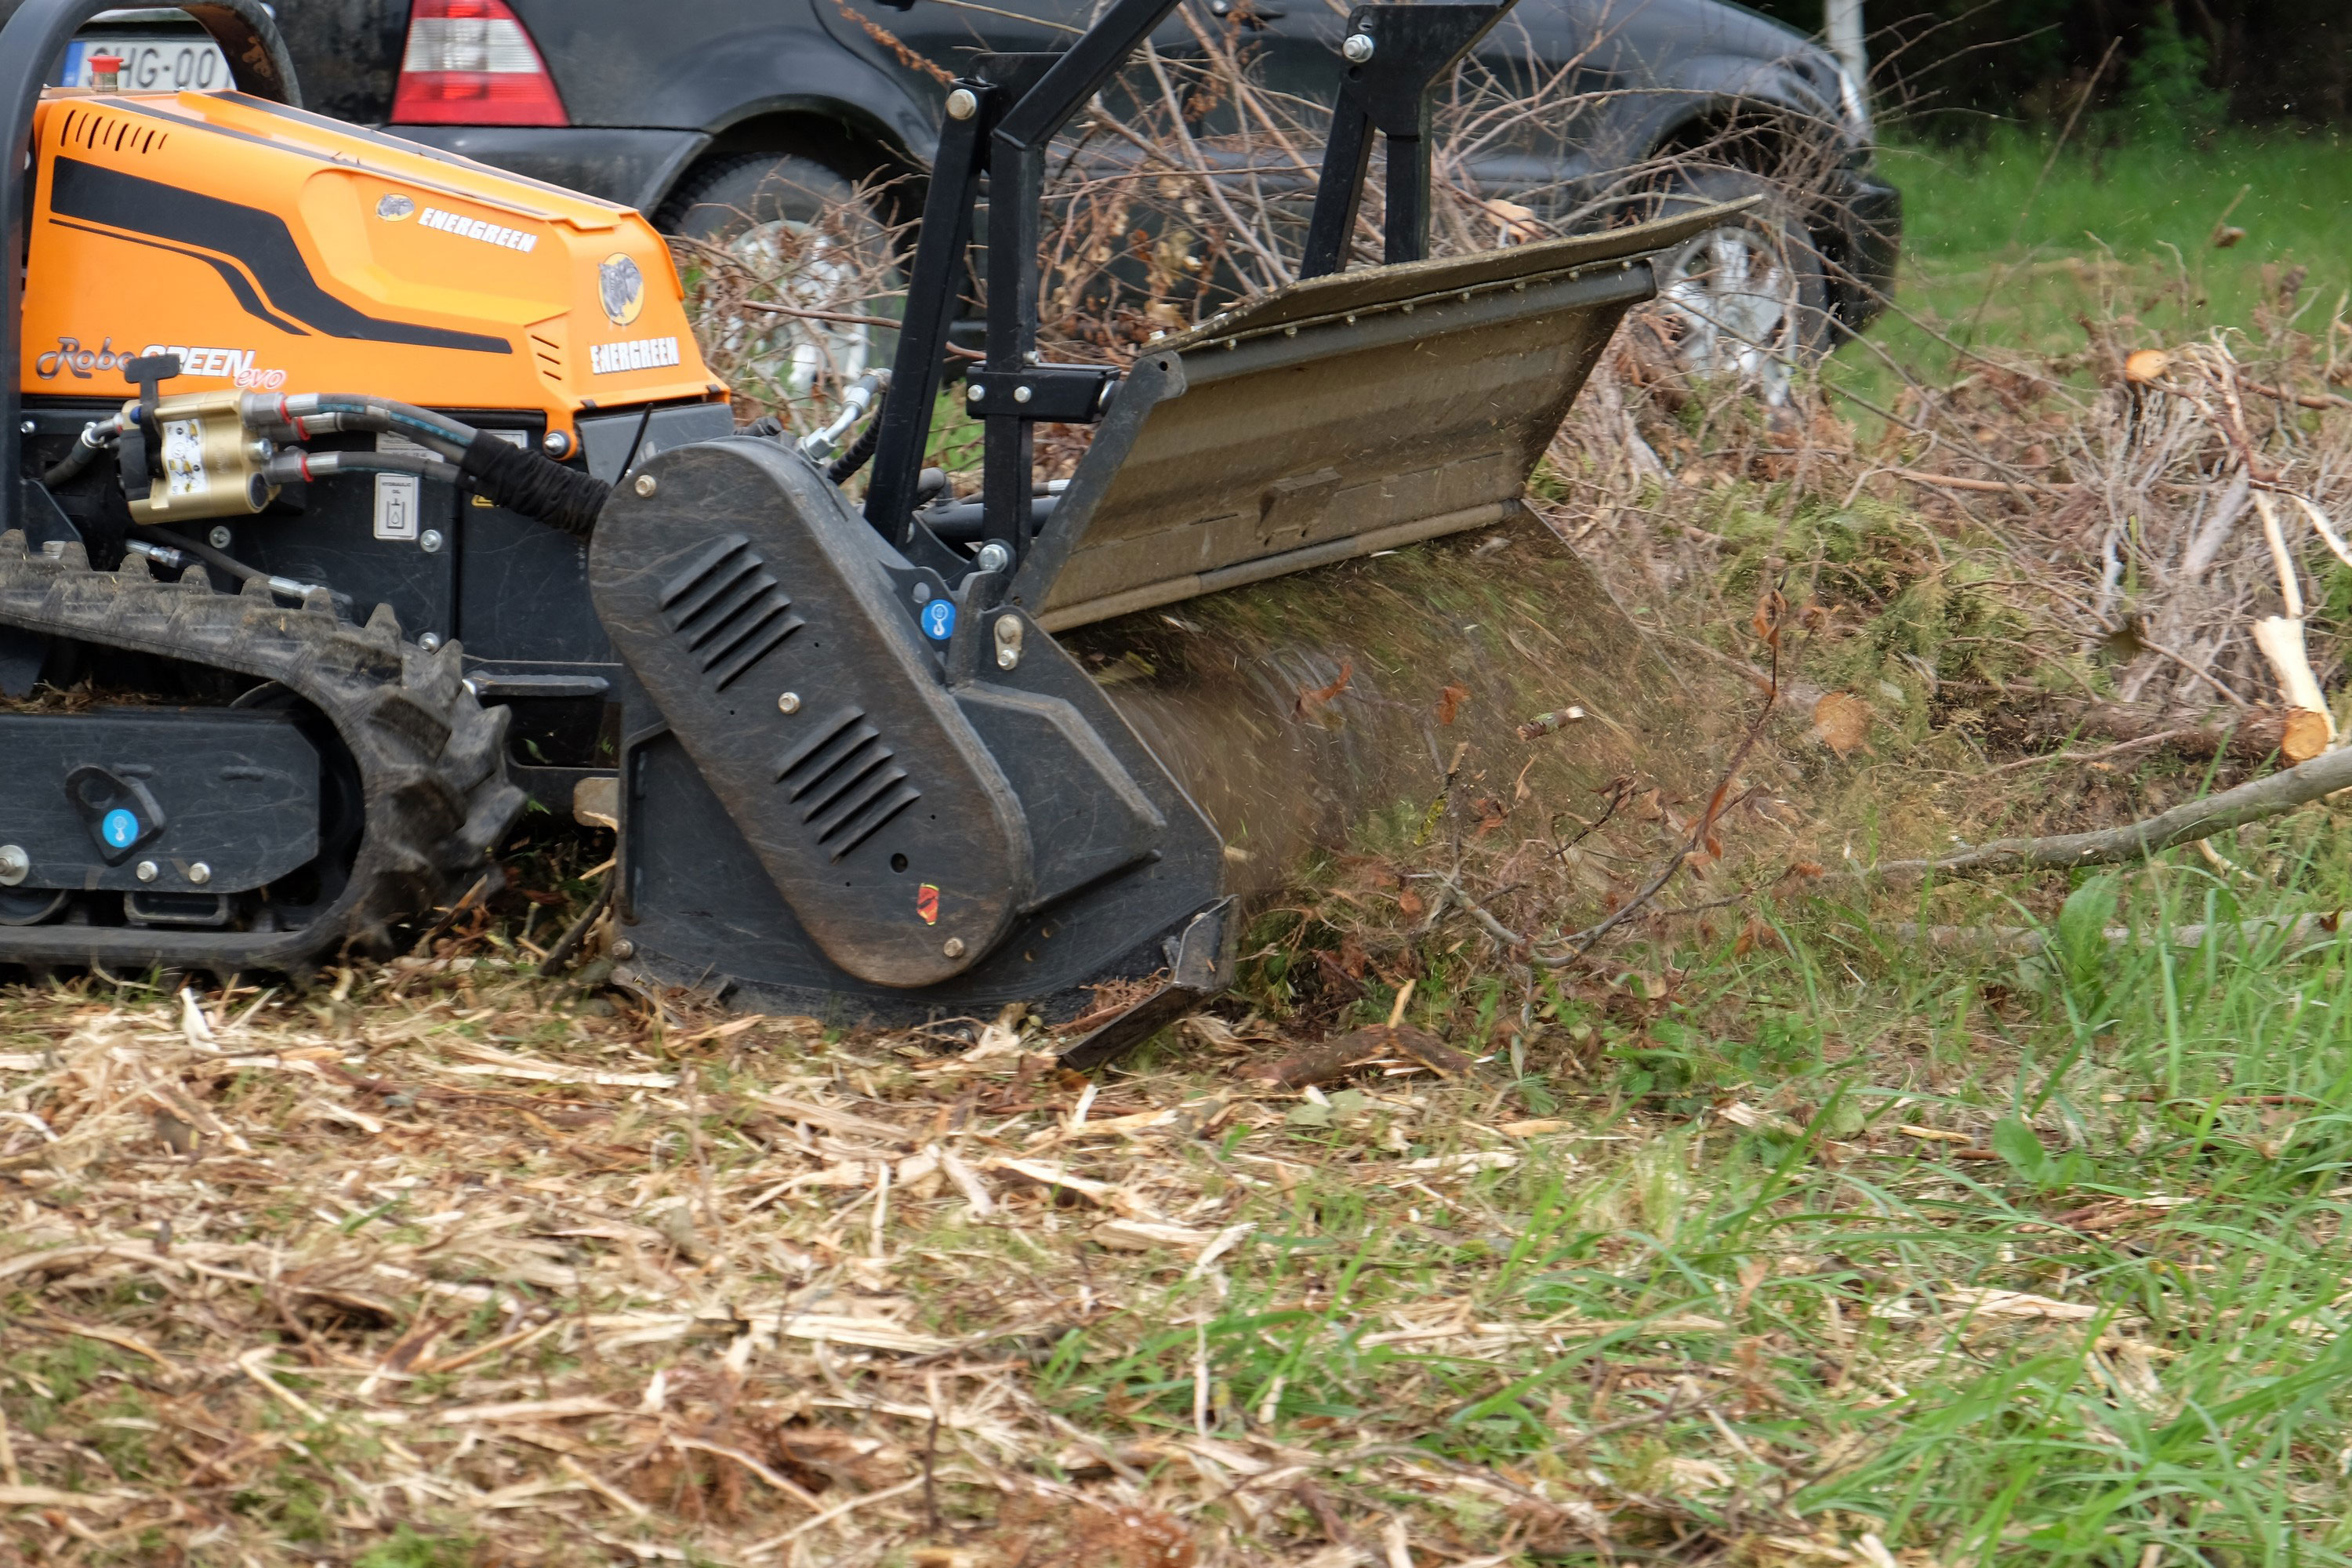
430,759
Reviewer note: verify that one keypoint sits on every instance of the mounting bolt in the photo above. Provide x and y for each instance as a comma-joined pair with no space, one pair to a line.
646,484
29,425
430,642
556,444
15,865
789,702
221,538
952,947
974,393
199,873
1008,641
1020,394
962,103
993,556
1358,49
429,542
146,871
624,949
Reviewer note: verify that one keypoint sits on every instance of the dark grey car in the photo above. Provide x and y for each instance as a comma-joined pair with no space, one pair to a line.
703,112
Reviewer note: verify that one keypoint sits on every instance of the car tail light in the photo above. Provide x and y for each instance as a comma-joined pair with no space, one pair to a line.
469,62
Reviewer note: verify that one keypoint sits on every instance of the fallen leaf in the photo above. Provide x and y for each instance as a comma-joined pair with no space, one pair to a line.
1933,1134
1841,721
1450,701
1315,697
2147,366
1741,1114
1535,1127
1696,1475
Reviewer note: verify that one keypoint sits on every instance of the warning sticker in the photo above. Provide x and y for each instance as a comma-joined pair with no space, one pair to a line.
184,456
926,904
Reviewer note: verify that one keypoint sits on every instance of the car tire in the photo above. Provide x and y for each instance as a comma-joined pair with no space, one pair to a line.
775,228
1747,300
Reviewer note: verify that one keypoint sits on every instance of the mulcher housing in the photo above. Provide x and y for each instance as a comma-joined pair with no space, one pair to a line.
853,772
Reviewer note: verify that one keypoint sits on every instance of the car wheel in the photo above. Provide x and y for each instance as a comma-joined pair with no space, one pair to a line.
791,275
1748,299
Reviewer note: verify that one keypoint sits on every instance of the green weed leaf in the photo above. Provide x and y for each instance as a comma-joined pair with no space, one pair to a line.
2014,1142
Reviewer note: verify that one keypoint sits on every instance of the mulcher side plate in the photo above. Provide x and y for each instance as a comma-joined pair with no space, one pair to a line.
817,818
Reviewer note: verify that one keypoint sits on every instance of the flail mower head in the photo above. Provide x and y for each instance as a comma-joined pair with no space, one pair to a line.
858,773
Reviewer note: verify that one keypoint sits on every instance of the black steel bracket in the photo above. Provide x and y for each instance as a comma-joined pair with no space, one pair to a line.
1395,54
1042,393
1000,121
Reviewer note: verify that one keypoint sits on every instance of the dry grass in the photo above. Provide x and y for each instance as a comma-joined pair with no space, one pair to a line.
445,1255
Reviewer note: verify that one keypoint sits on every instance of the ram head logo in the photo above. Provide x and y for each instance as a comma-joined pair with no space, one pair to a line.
621,289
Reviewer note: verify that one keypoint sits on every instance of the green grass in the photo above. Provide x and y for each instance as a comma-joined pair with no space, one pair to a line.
2111,231
1730,1331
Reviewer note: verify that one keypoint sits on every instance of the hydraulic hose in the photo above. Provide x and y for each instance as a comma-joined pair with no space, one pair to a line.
161,545
298,466
859,453
526,482
88,448
513,477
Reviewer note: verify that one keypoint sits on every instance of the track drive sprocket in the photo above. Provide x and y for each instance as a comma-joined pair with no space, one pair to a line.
430,758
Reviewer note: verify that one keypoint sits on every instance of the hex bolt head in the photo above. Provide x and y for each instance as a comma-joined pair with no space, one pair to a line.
1021,394
646,484
952,947
15,865
993,556
1008,642
624,949
556,444
1358,49
28,427
146,871
221,538
962,103
199,873
974,393
430,642
788,702
429,542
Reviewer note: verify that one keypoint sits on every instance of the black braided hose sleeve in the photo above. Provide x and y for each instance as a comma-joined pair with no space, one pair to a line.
523,481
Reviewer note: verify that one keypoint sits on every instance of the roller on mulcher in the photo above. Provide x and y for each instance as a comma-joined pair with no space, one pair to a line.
366,492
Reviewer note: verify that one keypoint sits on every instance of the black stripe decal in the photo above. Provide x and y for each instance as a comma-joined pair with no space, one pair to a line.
414,149
259,239
238,284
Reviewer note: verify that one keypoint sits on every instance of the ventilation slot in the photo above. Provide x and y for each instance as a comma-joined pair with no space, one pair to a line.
105,133
729,610
845,781
550,353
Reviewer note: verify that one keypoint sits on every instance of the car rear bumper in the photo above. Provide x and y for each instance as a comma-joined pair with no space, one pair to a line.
1869,224
620,163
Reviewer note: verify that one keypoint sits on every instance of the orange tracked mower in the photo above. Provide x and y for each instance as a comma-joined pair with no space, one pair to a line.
364,492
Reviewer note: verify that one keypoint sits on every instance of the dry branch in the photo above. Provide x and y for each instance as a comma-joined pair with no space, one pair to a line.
2186,824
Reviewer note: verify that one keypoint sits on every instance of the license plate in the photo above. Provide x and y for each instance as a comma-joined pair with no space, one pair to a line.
168,63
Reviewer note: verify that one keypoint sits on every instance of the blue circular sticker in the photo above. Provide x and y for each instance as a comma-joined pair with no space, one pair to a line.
120,828
939,620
